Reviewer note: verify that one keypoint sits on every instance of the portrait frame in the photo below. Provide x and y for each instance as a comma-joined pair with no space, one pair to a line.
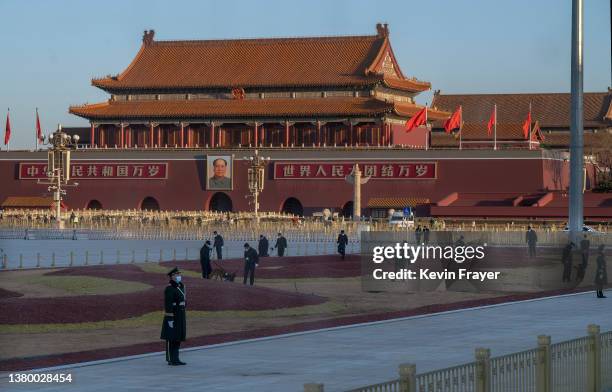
220,184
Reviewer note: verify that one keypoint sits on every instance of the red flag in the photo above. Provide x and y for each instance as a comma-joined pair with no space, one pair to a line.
7,130
492,122
527,125
417,120
39,134
454,121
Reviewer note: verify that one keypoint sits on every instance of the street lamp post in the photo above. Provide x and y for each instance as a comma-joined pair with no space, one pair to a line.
58,168
256,178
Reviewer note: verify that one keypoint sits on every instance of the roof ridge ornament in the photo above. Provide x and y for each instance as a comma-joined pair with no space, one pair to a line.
382,30
147,37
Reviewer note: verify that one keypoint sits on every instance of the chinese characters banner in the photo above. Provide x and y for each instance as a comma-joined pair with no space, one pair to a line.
99,171
339,170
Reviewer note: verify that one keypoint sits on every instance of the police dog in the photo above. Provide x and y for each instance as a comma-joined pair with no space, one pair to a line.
221,274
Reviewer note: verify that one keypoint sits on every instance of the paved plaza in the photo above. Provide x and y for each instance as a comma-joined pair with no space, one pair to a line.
344,357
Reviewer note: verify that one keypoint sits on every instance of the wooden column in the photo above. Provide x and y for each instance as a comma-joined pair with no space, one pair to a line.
92,135
182,135
286,133
151,136
262,135
351,134
122,135
102,137
159,136
255,134
212,134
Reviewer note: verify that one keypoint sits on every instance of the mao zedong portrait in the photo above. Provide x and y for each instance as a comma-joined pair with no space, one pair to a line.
220,178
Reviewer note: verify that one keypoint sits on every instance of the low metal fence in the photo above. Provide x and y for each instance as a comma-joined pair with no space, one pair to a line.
583,364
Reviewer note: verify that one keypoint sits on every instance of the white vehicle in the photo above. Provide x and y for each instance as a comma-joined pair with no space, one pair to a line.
585,229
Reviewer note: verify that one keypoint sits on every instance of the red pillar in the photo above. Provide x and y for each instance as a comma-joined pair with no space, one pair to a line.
102,141
262,135
351,134
182,135
151,133
212,134
121,135
286,133
255,135
92,135
319,133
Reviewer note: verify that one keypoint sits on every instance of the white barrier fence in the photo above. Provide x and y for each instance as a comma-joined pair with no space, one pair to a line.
80,253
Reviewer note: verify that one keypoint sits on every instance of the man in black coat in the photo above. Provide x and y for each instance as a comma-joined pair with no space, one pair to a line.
417,234
218,245
342,241
205,252
532,239
566,259
280,245
262,246
585,245
251,260
601,274
174,327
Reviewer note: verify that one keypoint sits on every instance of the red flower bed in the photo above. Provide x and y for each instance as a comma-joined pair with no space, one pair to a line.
287,267
201,295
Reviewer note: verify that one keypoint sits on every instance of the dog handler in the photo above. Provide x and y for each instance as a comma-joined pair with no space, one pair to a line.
174,327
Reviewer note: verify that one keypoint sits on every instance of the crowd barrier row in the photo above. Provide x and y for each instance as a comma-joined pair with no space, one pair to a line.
583,364
84,257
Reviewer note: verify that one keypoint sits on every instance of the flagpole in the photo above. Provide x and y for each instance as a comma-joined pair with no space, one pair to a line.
36,132
530,125
495,128
426,132
460,127
8,142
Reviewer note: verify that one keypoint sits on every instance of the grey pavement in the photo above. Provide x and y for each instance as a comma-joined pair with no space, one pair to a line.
345,357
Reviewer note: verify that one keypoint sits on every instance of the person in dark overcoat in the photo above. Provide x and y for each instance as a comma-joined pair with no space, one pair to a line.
174,326
566,260
531,237
280,245
251,260
601,274
262,246
342,241
205,252
218,245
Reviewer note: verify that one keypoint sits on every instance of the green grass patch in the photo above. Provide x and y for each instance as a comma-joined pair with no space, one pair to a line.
84,285
155,318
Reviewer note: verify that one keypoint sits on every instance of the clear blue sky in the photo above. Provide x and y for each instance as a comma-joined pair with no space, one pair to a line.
50,50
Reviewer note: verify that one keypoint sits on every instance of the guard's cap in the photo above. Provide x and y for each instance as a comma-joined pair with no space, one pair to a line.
246,245
173,271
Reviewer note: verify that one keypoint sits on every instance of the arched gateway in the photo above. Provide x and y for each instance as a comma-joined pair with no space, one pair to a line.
220,202
293,206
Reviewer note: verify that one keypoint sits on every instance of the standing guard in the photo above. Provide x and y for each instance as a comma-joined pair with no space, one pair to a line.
174,327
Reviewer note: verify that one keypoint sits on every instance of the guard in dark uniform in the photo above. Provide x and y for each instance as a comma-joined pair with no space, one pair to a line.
342,241
174,327
205,252
280,245
262,246
531,237
251,260
566,260
601,274
218,244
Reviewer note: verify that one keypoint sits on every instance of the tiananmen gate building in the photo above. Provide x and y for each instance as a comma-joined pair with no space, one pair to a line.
183,118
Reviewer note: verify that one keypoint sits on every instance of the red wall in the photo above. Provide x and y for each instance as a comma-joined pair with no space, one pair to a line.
185,186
